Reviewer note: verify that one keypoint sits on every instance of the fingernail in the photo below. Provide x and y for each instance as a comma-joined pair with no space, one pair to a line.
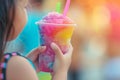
53,46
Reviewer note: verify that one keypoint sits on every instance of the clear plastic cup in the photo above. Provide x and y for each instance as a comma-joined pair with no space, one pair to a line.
58,33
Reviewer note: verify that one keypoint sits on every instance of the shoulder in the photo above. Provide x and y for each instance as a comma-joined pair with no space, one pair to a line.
18,68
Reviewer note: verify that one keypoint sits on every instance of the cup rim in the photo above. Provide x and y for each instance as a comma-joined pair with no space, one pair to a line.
55,24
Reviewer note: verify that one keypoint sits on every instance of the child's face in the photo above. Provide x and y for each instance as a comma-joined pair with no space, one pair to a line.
20,18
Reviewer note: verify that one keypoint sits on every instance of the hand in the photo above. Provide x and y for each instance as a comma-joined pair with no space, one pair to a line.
62,62
34,56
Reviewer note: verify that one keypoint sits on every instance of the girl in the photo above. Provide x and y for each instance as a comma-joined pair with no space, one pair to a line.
12,65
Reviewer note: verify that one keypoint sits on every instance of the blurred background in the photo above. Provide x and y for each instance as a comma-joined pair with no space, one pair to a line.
96,39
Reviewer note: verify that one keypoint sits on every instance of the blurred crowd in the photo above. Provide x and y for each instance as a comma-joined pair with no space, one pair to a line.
96,39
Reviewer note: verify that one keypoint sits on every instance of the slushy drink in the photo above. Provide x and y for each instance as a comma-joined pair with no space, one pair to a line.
54,28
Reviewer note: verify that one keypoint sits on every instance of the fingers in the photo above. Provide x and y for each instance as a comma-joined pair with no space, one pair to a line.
70,51
57,51
34,53
38,50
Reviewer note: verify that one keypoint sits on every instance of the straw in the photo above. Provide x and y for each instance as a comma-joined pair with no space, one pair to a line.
66,8
58,7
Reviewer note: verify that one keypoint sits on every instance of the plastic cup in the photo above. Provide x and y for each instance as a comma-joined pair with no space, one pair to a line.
58,33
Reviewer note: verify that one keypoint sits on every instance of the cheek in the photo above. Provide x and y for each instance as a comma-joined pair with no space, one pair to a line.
24,17
20,21
21,17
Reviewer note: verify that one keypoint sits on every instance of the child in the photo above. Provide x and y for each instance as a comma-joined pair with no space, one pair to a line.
12,65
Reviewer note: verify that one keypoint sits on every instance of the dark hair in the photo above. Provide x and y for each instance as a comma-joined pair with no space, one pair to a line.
7,14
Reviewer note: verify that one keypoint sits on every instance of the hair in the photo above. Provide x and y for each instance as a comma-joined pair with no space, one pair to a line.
7,14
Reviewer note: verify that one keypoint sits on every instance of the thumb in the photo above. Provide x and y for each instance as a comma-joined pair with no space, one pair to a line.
57,51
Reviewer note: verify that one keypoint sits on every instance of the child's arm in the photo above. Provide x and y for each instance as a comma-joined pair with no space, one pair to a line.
19,69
